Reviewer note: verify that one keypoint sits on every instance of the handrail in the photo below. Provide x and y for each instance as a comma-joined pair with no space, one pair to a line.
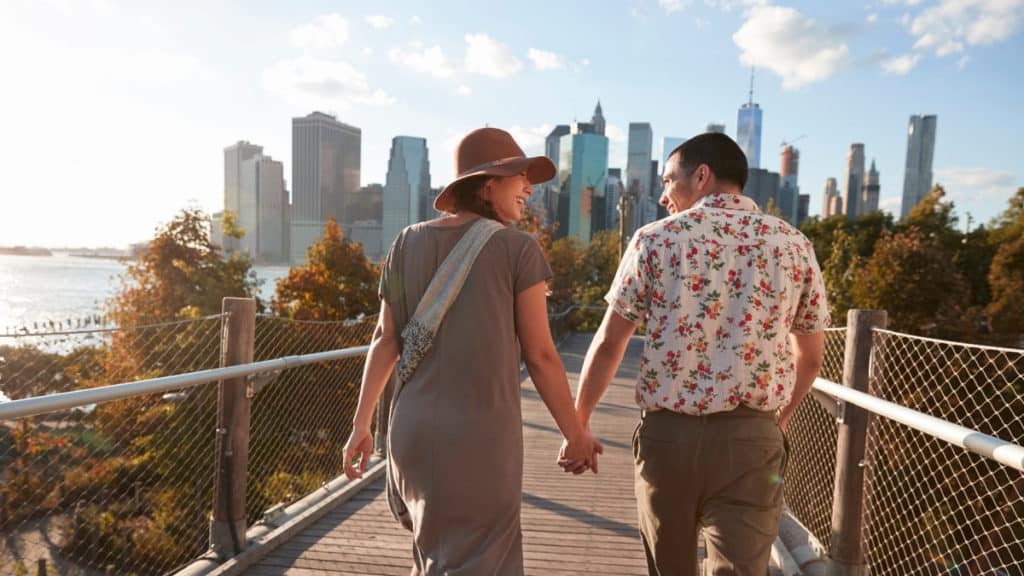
76,398
1006,453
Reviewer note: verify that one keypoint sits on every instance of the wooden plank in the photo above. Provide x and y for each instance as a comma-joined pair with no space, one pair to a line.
571,524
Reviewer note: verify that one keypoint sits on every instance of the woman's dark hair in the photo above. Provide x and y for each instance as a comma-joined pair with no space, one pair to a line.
466,195
721,154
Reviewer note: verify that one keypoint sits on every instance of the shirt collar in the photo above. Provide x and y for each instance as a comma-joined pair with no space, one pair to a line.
728,201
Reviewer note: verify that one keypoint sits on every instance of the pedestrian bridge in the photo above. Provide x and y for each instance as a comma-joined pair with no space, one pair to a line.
911,466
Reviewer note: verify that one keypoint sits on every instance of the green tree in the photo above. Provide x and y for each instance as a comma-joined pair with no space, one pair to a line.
912,278
337,282
1006,276
181,274
935,219
1006,279
868,229
821,232
840,270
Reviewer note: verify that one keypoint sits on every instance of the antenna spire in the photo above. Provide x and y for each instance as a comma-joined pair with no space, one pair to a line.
751,99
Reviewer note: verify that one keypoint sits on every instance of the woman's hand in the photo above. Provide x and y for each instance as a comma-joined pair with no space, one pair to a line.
580,452
359,446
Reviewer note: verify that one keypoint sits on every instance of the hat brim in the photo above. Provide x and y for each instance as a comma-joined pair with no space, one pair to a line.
538,169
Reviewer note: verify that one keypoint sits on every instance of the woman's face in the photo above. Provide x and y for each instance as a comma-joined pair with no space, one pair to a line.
507,195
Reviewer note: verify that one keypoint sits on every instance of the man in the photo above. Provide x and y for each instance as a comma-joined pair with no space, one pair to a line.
734,309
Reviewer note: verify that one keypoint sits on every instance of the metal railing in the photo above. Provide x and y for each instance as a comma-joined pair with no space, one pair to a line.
922,442
122,478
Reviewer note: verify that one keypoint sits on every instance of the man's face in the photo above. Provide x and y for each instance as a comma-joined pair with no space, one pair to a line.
679,189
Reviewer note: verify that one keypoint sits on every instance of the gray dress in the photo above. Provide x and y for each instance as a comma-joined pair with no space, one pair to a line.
455,440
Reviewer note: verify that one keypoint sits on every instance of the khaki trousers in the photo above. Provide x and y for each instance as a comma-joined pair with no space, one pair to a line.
722,472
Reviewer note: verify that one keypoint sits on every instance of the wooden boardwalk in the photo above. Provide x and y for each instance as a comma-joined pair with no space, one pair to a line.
571,524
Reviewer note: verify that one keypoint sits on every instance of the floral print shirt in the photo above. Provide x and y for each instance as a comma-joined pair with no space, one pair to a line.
720,287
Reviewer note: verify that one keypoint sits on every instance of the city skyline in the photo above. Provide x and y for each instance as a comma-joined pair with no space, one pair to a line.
132,86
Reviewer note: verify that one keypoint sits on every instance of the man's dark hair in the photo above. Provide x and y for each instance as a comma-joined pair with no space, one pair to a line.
722,155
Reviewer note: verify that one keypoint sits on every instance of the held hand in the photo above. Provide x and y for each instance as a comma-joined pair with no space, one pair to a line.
580,453
358,449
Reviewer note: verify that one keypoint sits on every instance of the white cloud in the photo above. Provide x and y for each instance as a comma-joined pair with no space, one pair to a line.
379,21
873,17
900,65
464,90
701,23
962,62
531,139
325,32
488,57
431,61
799,49
950,25
320,83
367,51
544,60
670,6
976,184
415,20
615,134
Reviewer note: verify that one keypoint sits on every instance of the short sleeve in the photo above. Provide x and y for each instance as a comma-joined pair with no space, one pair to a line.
390,272
812,313
629,292
532,267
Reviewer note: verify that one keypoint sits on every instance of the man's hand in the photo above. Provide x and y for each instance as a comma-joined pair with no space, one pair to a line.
580,453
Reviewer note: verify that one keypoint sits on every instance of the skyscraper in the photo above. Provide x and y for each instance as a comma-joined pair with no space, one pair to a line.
748,128
833,201
715,127
917,177
407,186
598,120
582,172
668,144
871,190
854,180
613,190
234,156
549,190
325,172
262,209
762,186
803,208
638,172
789,190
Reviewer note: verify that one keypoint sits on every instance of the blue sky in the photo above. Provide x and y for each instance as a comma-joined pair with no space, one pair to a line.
115,113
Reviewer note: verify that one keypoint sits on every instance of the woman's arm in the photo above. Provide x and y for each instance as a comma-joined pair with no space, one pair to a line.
380,362
548,374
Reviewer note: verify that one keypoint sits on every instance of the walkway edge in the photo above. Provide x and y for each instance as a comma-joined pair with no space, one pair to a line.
263,538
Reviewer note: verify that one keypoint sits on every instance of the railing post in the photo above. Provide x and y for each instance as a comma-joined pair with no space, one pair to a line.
238,333
847,554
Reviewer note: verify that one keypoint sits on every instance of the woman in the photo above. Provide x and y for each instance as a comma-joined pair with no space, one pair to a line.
455,439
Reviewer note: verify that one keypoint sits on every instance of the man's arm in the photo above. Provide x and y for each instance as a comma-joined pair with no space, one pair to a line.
601,363
809,351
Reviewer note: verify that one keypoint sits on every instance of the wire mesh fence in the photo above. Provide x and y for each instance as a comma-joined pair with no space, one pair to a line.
301,420
120,486
935,508
812,434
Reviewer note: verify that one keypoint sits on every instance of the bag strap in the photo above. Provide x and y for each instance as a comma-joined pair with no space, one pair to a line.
445,286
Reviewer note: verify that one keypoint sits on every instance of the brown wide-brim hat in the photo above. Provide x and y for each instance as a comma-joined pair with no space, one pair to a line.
491,152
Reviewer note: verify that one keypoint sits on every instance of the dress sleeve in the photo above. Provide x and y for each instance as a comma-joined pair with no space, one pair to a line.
391,273
531,267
